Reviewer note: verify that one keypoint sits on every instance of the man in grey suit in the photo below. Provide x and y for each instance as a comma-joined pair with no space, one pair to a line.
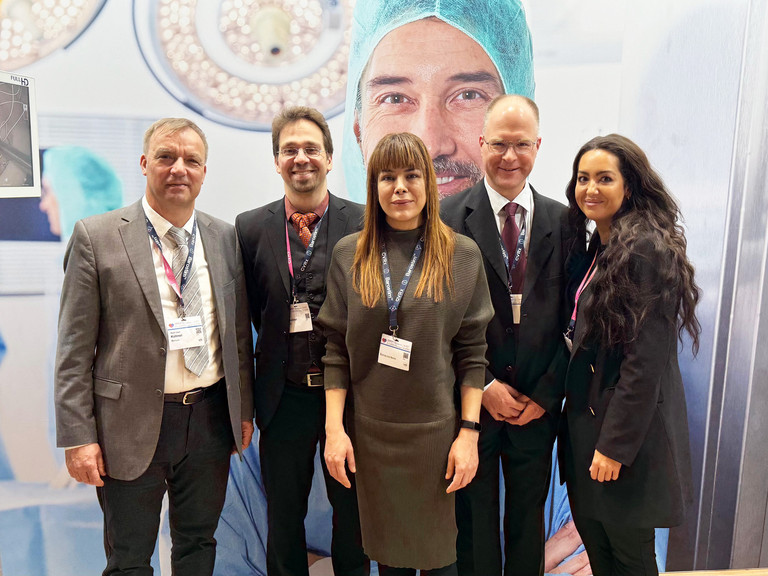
154,366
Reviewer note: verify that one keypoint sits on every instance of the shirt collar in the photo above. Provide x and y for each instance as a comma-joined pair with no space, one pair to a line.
319,209
524,199
161,224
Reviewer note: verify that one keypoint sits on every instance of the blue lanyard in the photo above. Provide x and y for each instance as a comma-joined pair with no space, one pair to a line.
518,254
307,255
393,303
179,289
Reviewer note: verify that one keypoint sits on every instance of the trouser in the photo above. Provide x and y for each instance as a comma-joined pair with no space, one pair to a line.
618,550
449,570
191,462
526,461
287,451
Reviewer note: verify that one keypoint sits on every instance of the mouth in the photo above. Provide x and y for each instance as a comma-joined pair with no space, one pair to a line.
454,175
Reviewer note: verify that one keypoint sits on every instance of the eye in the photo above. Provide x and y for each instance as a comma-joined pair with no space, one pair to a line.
498,147
395,98
312,151
289,152
582,179
606,179
470,95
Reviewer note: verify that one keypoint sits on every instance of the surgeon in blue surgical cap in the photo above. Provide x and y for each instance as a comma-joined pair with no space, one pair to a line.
77,183
431,67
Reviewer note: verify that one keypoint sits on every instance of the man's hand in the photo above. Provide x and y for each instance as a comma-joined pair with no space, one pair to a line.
85,464
338,450
246,428
604,469
531,412
462,459
559,546
502,401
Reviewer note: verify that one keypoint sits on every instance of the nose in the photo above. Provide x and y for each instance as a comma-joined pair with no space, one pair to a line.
301,156
591,187
178,165
434,126
400,184
509,154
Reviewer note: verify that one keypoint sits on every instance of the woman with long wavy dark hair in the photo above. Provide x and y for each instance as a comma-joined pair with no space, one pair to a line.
398,354
624,439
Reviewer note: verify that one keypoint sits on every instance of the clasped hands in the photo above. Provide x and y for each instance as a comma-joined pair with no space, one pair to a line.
462,458
504,403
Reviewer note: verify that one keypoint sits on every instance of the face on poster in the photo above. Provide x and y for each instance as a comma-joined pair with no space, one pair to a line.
431,69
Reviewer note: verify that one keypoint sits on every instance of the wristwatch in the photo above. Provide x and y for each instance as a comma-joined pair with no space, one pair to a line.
471,425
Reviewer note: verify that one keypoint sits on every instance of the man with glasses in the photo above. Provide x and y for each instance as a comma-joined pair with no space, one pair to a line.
523,237
287,247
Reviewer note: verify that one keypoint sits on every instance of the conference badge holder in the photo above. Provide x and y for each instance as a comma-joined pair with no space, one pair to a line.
301,318
186,332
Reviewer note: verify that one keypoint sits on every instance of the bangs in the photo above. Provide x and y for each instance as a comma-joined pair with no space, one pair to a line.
398,151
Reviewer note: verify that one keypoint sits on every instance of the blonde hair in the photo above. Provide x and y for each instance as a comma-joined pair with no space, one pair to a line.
395,151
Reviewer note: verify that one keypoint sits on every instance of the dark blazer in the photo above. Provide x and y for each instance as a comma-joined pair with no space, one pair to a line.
262,241
628,402
533,362
110,363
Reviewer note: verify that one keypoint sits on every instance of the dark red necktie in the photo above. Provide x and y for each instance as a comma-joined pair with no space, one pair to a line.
302,222
510,235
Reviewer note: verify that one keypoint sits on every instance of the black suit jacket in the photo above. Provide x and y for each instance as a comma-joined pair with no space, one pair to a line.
628,402
262,241
533,361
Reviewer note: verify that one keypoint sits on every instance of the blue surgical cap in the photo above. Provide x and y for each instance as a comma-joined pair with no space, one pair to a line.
84,184
498,26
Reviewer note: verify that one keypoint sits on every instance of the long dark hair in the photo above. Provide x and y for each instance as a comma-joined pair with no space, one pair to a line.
649,211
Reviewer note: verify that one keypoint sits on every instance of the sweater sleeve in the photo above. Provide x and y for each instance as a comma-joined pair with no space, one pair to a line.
469,345
333,319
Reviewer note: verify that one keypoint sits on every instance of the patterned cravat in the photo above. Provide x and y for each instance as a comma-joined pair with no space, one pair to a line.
510,236
302,222
195,359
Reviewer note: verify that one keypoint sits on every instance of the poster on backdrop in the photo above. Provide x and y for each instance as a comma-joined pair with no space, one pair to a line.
425,66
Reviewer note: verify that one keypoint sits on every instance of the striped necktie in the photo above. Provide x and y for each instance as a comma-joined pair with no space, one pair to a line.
195,359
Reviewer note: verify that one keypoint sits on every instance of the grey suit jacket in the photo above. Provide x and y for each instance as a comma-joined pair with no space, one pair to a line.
110,362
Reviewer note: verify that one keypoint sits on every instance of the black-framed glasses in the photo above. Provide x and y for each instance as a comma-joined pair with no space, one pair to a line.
309,151
500,147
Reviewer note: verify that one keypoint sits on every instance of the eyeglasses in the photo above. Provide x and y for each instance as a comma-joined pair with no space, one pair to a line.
309,152
521,147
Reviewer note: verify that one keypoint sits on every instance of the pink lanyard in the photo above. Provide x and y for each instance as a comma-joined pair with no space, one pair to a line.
584,283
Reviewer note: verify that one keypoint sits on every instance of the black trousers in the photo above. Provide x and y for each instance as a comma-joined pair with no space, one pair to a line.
618,550
526,461
287,452
191,462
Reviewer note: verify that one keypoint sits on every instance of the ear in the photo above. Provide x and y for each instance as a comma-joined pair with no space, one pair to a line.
143,164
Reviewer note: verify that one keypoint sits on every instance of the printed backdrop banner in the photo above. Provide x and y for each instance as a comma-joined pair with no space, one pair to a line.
426,66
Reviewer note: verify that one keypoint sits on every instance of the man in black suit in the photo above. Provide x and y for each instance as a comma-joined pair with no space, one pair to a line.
287,247
522,236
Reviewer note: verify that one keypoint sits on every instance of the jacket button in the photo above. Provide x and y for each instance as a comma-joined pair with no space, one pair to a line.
158,393
283,362
162,351
592,367
311,297
509,330
285,332
509,368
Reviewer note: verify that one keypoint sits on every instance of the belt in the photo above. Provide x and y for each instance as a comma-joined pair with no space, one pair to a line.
194,396
313,380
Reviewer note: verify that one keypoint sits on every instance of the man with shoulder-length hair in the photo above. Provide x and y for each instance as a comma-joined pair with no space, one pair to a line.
153,370
287,247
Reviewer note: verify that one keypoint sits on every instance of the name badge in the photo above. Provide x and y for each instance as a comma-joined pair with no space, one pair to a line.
395,352
301,318
185,332
517,303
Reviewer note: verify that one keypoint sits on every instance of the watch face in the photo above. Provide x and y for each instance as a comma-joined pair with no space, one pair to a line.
32,29
239,62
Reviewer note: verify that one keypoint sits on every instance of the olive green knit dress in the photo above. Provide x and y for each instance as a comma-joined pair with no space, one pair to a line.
402,424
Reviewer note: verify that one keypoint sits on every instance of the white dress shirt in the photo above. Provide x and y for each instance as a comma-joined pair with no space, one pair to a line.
177,377
524,199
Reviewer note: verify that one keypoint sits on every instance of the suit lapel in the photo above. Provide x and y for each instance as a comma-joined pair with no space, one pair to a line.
276,233
136,242
337,226
480,223
215,257
540,246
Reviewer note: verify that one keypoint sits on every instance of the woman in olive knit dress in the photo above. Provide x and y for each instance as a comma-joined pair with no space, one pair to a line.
405,316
